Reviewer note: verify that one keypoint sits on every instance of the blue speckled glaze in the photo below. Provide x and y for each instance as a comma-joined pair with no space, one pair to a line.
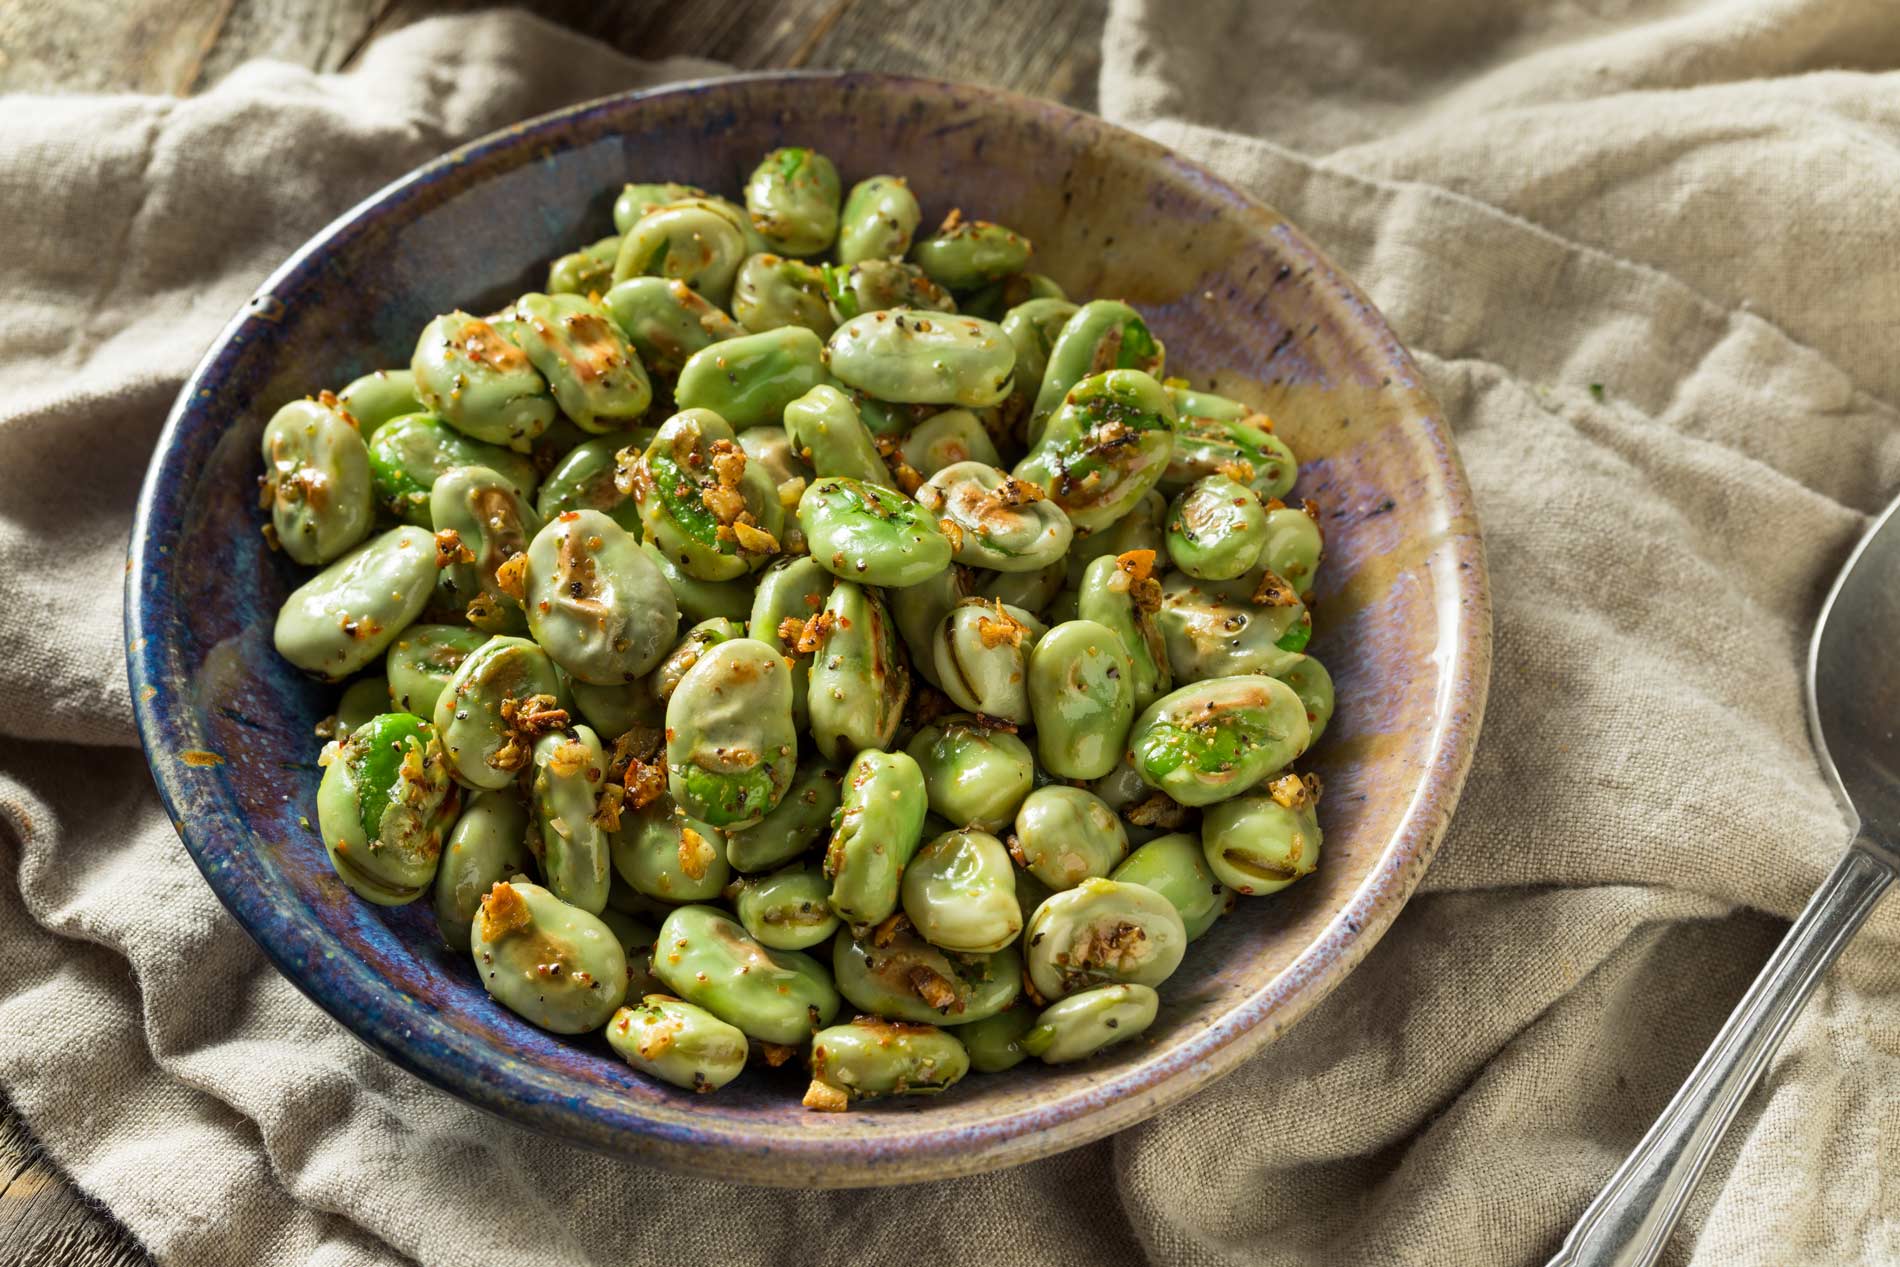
1246,305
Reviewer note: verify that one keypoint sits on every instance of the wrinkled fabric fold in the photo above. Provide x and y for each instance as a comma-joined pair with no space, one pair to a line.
1644,257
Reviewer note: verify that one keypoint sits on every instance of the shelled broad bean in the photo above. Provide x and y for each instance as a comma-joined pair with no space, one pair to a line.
797,613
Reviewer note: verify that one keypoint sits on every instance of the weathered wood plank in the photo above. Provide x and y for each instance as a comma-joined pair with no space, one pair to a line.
43,1219
1047,48
318,34
106,45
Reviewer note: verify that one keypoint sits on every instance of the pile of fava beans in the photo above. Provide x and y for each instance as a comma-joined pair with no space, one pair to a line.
789,637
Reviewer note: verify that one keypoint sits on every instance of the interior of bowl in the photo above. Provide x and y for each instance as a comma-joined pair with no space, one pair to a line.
1245,305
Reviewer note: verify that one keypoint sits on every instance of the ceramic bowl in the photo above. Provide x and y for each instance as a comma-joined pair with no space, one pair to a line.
1247,306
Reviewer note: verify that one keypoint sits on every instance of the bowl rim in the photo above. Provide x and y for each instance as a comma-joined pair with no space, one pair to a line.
371,1008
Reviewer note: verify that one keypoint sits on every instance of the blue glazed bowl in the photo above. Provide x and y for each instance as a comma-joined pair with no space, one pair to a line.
1247,307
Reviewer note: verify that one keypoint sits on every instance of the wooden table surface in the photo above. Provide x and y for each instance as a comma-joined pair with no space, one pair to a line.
1046,47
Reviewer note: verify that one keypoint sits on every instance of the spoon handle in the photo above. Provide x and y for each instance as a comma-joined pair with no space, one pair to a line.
1630,1220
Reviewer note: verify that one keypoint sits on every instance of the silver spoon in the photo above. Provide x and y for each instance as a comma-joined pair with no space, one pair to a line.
1853,708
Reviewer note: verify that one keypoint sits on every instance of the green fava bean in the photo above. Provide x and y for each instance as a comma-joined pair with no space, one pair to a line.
1314,685
959,892
945,439
1082,697
870,534
918,610
870,1057
345,616
1293,548
1104,334
926,358
995,1042
588,271
1122,790
799,819
1216,529
378,397
595,602
775,996
1207,447
384,805
636,937
1191,404
585,480
1065,835
614,710
570,769
1117,593
486,847
771,292
1175,867
556,442
1029,592
550,963
1102,932
968,254
1002,523
1104,448
317,481
974,776
792,198
362,700
1089,1023
888,419
1261,844
891,971
595,376
472,712
749,380
702,600
408,455
471,376
786,910
1217,629
730,745
1215,739
695,241
880,215
662,853
858,681
790,589
1144,527
492,523
881,285
702,501
1033,327
981,655
637,200
826,432
421,661
667,321
678,1043
772,449
878,830
699,639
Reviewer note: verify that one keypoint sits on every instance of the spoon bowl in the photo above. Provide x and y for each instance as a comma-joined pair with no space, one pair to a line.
1854,681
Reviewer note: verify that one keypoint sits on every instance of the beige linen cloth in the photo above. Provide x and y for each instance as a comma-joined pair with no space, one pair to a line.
1648,256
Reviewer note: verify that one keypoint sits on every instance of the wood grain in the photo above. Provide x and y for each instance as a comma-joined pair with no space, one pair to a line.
1048,48
151,46
43,1219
